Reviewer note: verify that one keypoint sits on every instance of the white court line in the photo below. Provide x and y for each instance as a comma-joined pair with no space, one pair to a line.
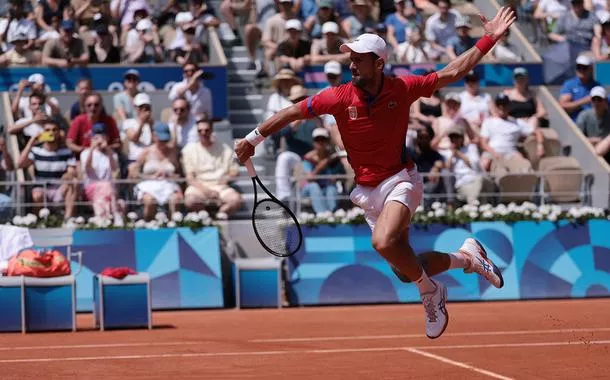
401,336
289,352
459,364
101,345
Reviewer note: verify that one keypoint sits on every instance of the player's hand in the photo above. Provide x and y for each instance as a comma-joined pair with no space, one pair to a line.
243,150
497,27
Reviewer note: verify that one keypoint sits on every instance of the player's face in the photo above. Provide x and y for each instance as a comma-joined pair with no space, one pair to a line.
363,67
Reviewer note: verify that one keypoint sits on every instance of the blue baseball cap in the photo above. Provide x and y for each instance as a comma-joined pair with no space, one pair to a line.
67,25
162,132
98,128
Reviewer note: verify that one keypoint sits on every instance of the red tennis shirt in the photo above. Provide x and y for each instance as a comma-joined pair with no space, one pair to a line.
373,130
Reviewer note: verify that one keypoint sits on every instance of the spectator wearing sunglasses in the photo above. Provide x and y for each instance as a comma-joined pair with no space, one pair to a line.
192,89
574,94
182,124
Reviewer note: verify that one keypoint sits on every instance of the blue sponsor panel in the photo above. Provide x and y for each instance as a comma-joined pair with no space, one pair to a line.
184,264
110,78
538,260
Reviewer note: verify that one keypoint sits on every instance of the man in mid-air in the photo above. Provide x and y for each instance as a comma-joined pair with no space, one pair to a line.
372,113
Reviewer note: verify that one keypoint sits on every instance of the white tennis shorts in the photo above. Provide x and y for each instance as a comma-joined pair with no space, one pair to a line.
405,187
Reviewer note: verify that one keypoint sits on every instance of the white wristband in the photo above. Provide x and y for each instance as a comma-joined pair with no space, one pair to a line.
255,137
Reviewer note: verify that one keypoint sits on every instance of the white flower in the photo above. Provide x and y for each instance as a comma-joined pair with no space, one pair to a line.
152,225
440,212
79,220
473,214
171,224
476,202
192,217
17,220
430,214
345,221
485,207
30,219
140,223
177,217
161,217
132,216
203,214
436,205
537,215
44,213
552,217
340,213
419,208
488,214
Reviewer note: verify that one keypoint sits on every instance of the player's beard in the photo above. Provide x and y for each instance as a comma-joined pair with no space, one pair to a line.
358,81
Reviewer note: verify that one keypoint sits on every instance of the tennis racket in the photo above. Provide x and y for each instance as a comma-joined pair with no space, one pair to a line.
275,226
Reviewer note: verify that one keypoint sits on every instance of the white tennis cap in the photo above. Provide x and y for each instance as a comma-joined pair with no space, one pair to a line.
294,24
584,60
367,43
332,67
144,24
36,78
141,99
330,27
320,132
598,91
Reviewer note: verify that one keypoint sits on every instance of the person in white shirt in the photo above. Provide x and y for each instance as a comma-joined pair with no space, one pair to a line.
463,162
282,83
476,106
17,23
21,104
193,90
440,27
31,126
500,134
138,130
182,124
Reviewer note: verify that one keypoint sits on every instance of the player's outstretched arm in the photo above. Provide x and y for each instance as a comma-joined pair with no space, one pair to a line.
494,29
244,148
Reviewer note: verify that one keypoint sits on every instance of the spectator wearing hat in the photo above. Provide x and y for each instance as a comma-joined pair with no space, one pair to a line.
99,163
325,13
500,134
182,123
123,101
360,21
283,81
139,130
333,71
158,168
20,105
190,50
463,162
402,22
574,94
84,88
594,122
462,41
450,118
105,48
17,23
476,105
146,48
193,90
440,27
428,161
524,103
52,161
80,132
600,46
18,55
415,49
322,160
275,31
66,51
326,49
123,11
209,168
578,26
293,52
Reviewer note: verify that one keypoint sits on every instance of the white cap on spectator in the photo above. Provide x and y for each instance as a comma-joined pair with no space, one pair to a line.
330,27
598,91
141,99
285,1
332,67
462,21
453,96
584,60
320,132
144,24
294,24
36,78
183,17
367,43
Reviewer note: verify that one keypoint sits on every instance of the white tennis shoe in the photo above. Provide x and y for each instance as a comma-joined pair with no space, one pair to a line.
437,317
480,263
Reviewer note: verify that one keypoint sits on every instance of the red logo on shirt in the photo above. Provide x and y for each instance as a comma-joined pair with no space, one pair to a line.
353,112
392,104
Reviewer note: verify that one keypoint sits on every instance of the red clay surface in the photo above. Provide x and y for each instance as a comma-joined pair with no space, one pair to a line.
502,340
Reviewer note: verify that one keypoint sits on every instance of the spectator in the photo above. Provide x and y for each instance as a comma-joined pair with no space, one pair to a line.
204,16
440,27
428,161
230,9
524,103
326,48
282,83
87,11
99,162
595,122
360,21
46,10
253,32
80,132
193,90
182,124
83,88
17,23
293,52
548,12
66,51
18,55
463,162
450,118
577,27
31,126
52,161
415,50
21,104
476,105
601,45
209,168
505,51
500,134
191,50
401,23
333,71
146,48
275,32
462,41
123,11
158,167
426,110
123,101
322,160
105,48
574,94
6,165
50,34
139,131
326,13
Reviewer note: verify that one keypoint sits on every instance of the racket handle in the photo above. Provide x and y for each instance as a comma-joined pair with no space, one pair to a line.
250,168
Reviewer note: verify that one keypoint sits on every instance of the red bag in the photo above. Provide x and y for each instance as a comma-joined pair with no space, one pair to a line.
32,263
119,273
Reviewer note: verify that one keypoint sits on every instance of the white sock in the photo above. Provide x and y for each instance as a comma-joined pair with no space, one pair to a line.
458,260
424,284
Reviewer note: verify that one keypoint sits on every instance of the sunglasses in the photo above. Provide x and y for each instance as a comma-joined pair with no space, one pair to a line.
145,107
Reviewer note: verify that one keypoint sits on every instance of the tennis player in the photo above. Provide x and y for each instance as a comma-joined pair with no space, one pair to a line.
372,114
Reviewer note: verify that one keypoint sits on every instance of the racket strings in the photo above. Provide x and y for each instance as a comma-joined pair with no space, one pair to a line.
276,227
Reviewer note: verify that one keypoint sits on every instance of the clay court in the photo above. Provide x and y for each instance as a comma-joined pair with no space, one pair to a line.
503,340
